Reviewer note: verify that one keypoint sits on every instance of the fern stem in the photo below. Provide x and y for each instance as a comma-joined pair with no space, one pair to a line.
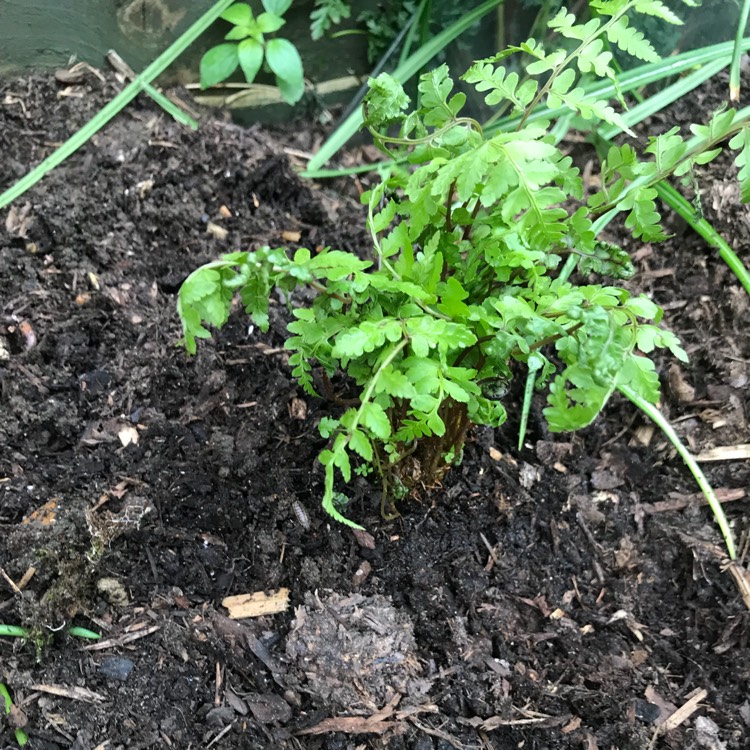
572,56
367,395
663,424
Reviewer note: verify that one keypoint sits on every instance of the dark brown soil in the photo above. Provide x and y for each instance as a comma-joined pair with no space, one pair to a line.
539,600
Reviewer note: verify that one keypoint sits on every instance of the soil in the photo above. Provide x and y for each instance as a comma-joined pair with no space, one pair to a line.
567,596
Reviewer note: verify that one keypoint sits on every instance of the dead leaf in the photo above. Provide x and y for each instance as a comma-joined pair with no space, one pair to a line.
268,708
44,516
364,538
362,573
18,220
679,386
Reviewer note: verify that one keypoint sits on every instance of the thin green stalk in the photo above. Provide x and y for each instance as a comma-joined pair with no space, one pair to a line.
21,737
170,107
734,69
535,364
665,97
116,105
411,34
663,424
403,73
319,174
13,631
678,203
16,631
79,632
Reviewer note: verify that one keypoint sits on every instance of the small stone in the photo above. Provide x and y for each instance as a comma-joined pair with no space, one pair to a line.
116,667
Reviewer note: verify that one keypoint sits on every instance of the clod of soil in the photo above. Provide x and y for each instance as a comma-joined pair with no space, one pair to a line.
355,651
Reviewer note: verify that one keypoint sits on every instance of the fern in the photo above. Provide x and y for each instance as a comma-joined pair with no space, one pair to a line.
464,285
502,87
741,142
327,13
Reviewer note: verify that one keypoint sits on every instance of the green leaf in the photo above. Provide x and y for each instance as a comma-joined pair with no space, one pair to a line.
575,407
452,296
240,32
284,60
632,41
376,420
268,23
238,14
384,102
277,7
640,374
434,87
325,14
395,383
360,444
250,55
367,337
648,337
741,143
218,64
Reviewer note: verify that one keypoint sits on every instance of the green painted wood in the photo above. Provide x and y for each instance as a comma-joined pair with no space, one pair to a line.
47,33
39,34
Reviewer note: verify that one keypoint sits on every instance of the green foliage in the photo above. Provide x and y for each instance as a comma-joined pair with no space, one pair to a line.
327,13
9,708
464,289
248,48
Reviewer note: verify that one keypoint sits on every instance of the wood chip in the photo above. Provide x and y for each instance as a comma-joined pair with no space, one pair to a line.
257,604
73,692
685,711
723,495
291,236
121,640
220,233
726,453
350,725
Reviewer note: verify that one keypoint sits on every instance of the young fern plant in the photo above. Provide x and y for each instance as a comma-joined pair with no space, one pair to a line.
464,289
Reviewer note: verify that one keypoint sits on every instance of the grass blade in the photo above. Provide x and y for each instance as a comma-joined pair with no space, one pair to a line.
679,204
663,424
107,112
664,98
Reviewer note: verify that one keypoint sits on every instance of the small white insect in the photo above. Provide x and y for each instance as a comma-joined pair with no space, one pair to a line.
301,513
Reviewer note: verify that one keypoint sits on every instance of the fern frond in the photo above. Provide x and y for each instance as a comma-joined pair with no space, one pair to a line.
561,94
632,41
659,10
564,23
327,13
502,87
741,142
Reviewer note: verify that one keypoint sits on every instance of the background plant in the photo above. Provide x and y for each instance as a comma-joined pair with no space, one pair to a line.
248,47
465,288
